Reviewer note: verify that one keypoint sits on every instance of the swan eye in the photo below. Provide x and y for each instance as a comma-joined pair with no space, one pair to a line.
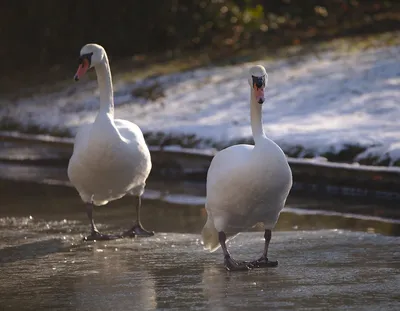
87,56
259,82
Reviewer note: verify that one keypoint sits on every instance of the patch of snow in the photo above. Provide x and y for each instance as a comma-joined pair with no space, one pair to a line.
321,104
383,152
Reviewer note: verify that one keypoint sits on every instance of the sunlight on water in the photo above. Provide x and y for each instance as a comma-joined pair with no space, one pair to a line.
302,211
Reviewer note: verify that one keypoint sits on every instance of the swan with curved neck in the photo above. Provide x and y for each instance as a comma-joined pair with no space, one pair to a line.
246,185
110,158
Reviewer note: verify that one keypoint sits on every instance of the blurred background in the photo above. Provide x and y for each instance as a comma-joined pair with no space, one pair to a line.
48,34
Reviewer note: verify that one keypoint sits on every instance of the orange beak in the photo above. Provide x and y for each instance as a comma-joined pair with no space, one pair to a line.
81,69
259,93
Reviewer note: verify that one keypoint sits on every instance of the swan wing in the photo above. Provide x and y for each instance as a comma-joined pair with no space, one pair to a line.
128,130
82,137
228,162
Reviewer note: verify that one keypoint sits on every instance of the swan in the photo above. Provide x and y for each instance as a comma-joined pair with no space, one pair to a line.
246,185
110,157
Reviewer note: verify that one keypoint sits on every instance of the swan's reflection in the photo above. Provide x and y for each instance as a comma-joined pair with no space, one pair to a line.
248,290
116,282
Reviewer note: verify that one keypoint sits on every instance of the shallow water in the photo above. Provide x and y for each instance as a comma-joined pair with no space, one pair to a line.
332,255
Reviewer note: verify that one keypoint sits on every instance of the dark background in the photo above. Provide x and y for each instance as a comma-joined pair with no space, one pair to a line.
50,32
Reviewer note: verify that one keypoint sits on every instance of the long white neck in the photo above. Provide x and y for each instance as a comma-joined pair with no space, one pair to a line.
256,118
104,81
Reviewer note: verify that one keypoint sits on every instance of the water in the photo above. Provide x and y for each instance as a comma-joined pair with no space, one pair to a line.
329,257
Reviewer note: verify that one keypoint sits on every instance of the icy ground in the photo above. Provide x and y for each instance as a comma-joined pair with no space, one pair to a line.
316,104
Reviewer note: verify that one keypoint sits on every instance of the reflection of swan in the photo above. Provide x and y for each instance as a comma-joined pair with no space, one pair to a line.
114,282
215,288
246,184
268,290
239,291
110,156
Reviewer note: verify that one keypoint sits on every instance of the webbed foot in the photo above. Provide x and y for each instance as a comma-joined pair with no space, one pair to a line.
97,236
263,262
233,265
137,230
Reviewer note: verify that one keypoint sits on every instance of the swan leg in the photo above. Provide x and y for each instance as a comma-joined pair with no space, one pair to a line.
229,262
263,261
95,234
137,229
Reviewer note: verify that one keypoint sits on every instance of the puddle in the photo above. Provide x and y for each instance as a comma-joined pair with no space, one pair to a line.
332,254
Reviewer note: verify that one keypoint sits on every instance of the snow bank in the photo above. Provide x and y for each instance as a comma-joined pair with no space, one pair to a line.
320,104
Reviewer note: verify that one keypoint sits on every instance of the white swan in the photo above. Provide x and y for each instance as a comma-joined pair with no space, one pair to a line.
110,158
246,184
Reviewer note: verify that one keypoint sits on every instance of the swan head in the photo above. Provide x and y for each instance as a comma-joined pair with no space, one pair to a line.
258,80
91,55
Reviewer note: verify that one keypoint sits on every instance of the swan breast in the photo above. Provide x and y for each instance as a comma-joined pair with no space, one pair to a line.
107,164
246,185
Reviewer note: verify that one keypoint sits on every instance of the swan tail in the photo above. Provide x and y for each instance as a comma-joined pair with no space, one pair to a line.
210,236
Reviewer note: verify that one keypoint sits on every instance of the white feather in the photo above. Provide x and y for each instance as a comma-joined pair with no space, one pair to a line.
246,184
110,157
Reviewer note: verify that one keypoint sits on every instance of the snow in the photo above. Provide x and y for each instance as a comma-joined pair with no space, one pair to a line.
321,103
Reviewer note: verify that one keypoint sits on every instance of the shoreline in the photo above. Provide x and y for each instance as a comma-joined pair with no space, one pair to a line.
313,176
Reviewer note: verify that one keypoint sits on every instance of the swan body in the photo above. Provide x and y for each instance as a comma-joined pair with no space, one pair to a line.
246,184
110,157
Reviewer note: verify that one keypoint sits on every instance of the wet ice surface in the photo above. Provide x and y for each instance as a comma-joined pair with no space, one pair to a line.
330,269
326,262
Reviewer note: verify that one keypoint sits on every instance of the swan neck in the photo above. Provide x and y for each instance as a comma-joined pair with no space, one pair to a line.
104,81
256,118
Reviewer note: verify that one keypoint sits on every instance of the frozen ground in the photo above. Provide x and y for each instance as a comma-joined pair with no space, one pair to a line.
316,105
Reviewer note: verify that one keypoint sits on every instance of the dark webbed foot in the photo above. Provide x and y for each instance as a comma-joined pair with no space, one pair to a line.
230,264
233,265
263,262
97,236
137,230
